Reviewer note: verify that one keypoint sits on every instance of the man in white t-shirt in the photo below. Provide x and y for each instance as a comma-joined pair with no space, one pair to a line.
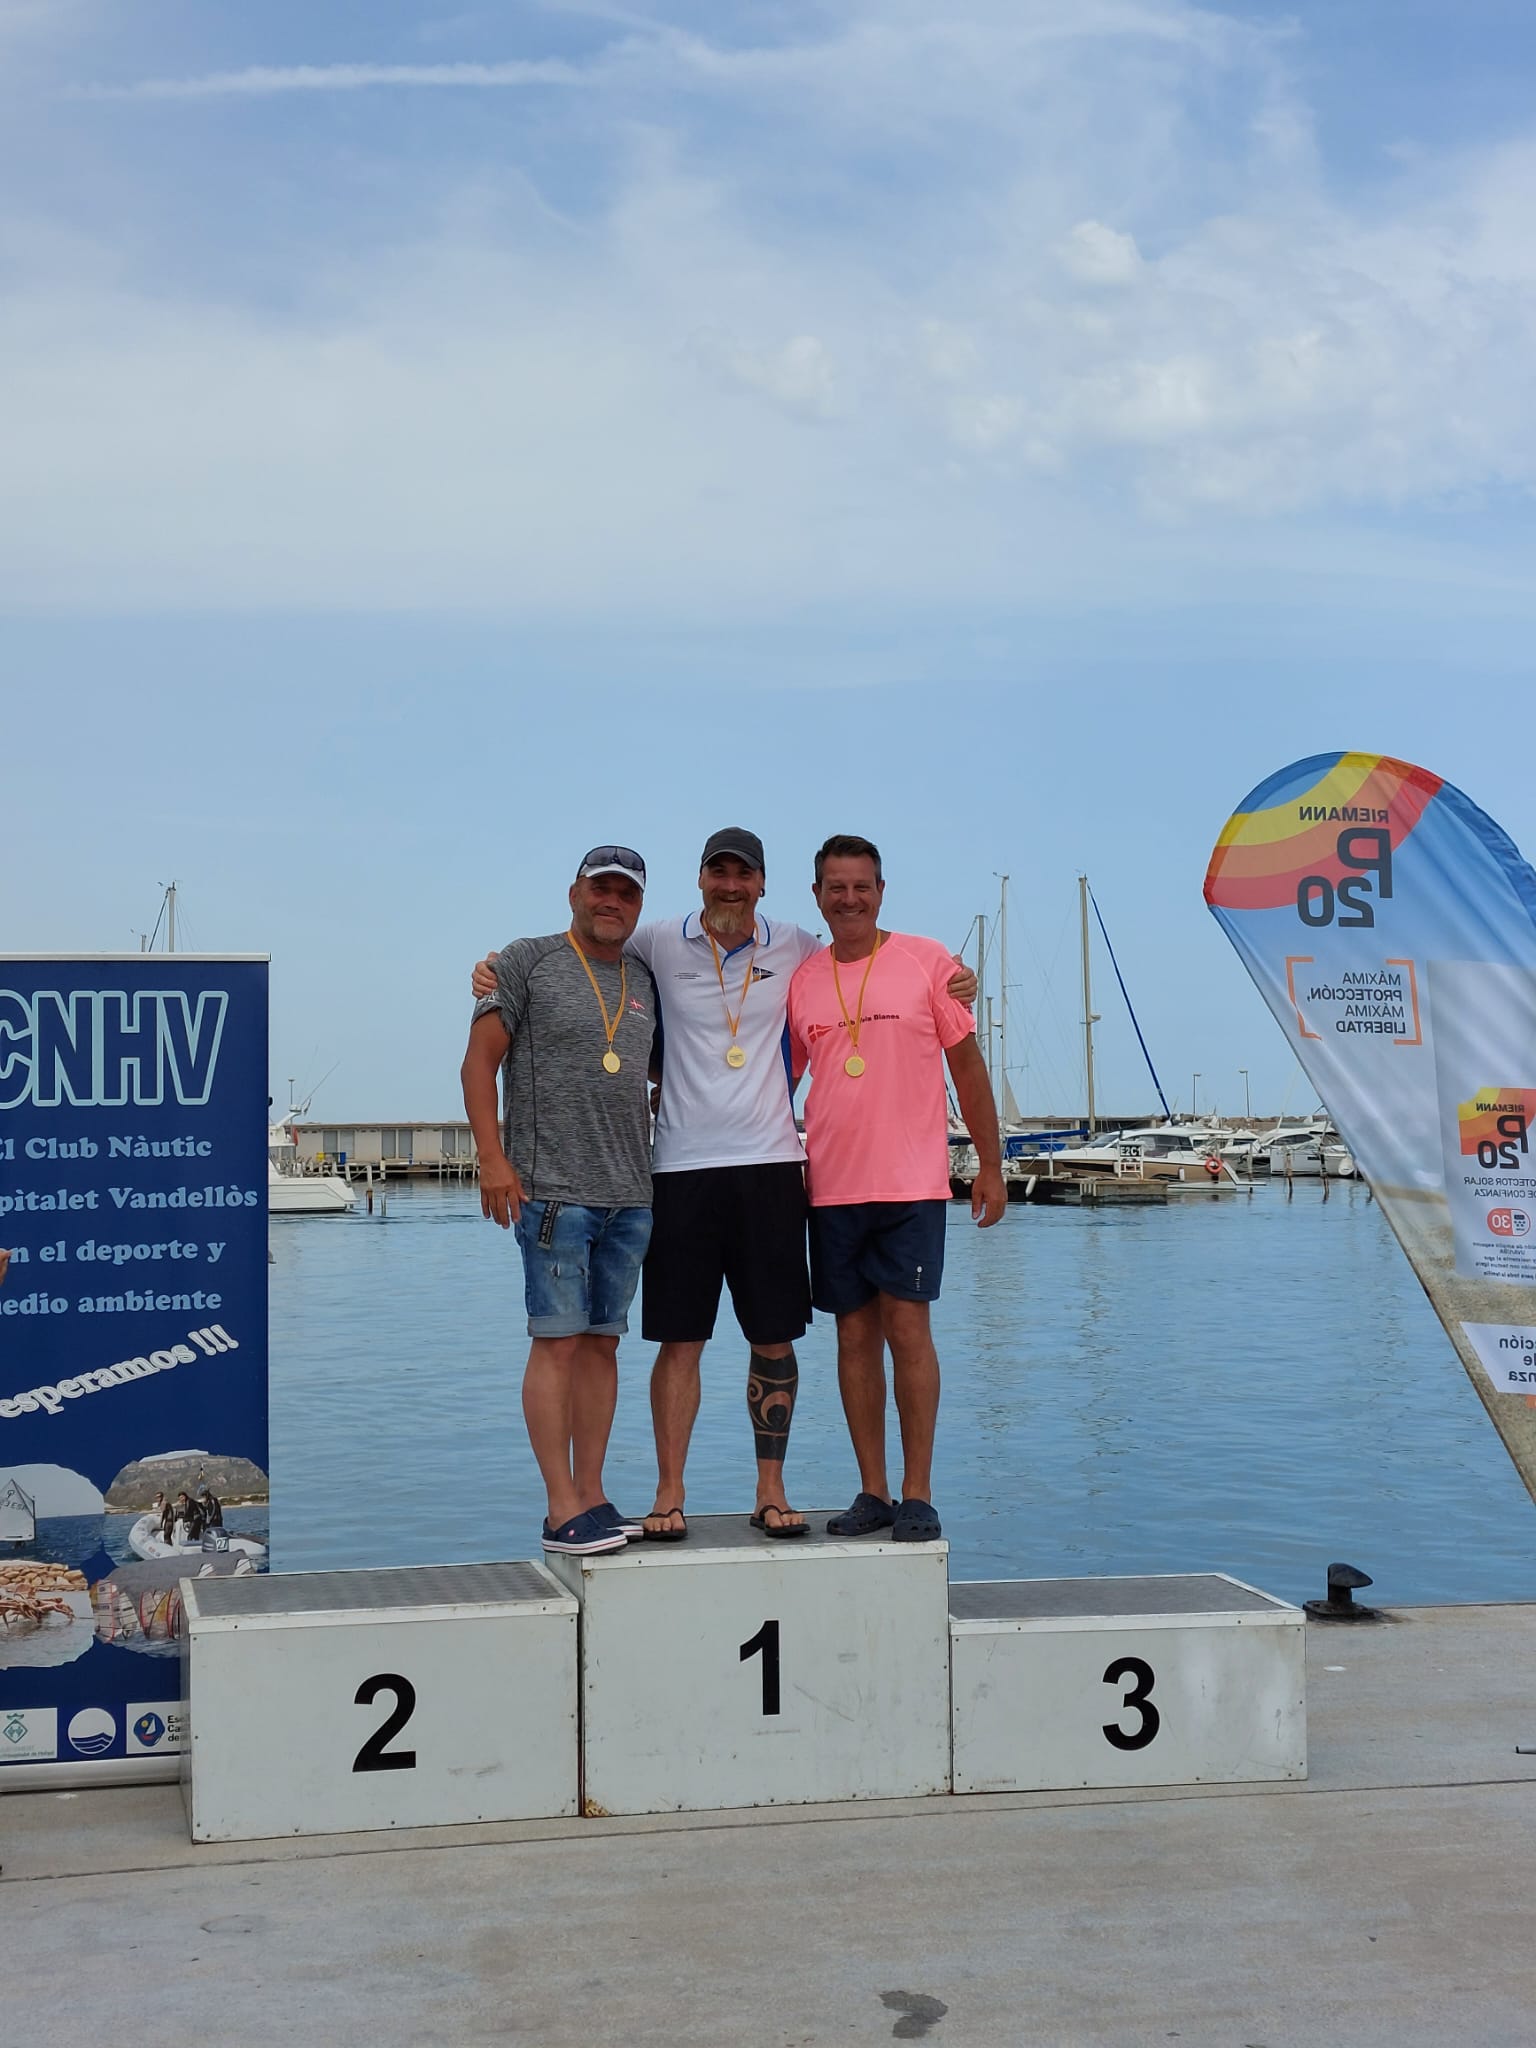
728,1181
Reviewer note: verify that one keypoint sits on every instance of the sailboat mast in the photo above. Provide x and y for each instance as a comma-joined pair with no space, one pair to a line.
1089,1019
170,928
1002,918
981,981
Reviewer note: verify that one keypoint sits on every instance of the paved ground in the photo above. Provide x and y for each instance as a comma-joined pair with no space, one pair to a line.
1390,1899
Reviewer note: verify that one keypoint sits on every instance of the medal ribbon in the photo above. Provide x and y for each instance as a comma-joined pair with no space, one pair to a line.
746,980
855,1024
618,1014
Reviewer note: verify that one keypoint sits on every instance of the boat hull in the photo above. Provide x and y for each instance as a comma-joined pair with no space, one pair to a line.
145,1540
308,1195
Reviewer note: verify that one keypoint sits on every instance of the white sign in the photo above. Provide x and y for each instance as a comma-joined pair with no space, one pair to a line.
29,1735
1507,1352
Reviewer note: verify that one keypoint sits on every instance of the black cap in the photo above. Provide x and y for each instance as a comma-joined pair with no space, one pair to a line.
745,846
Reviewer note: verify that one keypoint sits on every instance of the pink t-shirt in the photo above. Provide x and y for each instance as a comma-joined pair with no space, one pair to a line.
882,1137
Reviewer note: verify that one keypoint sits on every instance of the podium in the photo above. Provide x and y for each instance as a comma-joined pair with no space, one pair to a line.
731,1670
739,1670
1065,1683
323,1702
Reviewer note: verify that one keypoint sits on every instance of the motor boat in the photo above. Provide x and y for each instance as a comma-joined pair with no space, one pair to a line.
1310,1151
145,1540
293,1192
1155,1151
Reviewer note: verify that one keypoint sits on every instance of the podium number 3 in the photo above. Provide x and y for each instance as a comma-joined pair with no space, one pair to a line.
373,1756
766,1640
1140,1697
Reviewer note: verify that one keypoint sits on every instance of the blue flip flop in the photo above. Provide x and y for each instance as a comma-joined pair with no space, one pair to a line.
868,1513
916,1522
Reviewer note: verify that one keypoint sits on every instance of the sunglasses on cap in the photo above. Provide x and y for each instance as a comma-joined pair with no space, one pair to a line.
614,860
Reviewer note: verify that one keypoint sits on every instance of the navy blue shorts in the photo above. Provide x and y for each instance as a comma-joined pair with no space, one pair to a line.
861,1249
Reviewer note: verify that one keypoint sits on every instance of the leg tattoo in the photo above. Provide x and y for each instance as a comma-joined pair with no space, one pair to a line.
772,1384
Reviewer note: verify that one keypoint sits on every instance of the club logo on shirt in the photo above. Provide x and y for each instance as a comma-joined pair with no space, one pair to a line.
637,1006
763,973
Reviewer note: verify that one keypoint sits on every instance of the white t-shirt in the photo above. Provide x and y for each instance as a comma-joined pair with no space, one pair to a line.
713,1114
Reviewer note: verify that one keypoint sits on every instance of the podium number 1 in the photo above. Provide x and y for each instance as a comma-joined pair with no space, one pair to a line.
766,1640
373,1756
1149,1720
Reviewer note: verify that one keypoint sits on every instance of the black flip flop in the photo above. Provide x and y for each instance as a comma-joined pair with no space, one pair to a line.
782,1530
666,1535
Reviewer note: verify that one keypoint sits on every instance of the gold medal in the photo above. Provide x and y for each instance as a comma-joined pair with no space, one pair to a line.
611,1060
853,1066
735,1056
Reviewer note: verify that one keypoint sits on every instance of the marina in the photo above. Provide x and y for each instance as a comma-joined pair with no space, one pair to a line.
1126,1389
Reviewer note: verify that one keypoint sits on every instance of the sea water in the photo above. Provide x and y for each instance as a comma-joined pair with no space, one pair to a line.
1250,1384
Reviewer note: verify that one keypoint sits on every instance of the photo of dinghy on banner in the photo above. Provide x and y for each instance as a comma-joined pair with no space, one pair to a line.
1391,927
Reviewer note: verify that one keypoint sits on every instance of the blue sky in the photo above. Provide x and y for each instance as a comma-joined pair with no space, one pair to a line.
436,441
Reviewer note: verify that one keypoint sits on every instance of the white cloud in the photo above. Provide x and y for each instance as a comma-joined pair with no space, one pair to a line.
263,81
1095,254
798,374
894,230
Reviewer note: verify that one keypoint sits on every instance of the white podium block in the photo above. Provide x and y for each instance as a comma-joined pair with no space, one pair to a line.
1101,1682
737,1670
322,1702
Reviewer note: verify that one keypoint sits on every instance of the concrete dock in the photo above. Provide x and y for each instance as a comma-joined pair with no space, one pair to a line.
1391,1899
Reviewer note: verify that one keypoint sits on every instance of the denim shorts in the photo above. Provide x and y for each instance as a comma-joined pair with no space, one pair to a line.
580,1267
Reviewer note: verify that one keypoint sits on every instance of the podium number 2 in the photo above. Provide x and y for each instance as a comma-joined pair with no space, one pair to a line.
1140,1697
373,1756
766,1640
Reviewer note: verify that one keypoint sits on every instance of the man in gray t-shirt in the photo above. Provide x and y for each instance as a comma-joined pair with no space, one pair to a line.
571,1028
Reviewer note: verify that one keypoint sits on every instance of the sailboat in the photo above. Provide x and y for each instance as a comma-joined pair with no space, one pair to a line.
18,1513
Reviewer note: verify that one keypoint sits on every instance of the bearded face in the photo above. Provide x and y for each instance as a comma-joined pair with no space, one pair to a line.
731,891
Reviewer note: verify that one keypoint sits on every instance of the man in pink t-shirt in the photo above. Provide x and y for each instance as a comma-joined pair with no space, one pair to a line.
871,1018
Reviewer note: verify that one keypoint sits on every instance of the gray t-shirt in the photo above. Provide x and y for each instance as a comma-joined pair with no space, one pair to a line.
574,1132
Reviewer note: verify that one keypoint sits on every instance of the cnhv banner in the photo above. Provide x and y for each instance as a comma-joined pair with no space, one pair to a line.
133,1338
1391,927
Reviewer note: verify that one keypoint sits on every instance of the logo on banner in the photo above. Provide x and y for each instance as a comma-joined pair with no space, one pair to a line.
29,1735
155,1728
1326,848
1495,1127
91,1731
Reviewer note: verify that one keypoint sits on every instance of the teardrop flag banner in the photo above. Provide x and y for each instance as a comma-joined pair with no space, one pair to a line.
1391,927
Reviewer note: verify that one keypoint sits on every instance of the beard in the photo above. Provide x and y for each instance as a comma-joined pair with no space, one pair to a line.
729,920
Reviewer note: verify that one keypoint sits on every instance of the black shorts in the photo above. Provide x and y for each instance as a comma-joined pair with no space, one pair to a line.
744,1225
861,1249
